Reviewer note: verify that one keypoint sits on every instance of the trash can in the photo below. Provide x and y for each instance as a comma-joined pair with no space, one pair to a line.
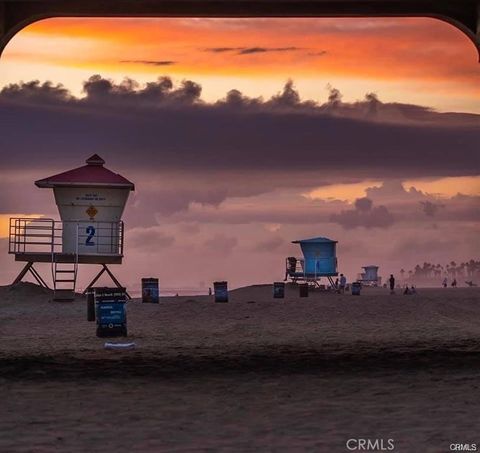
356,287
90,305
110,305
220,290
303,289
278,290
150,292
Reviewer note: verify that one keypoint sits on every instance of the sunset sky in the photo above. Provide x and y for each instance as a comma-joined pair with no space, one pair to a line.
242,135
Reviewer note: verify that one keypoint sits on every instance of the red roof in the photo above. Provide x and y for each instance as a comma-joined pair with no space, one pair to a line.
91,175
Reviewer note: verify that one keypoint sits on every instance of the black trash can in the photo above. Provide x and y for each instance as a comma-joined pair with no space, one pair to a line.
90,304
150,291
220,290
278,290
110,305
303,289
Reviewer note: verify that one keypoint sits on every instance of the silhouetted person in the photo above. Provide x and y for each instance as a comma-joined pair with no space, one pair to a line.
343,283
391,280
336,283
406,290
454,282
445,282
209,291
413,290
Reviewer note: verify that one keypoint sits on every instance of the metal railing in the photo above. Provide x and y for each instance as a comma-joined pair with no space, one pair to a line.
308,269
44,235
30,235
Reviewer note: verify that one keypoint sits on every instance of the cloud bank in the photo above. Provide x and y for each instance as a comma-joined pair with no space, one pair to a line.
364,215
169,126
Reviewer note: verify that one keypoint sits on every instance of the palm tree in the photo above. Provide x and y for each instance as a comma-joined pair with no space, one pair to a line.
418,271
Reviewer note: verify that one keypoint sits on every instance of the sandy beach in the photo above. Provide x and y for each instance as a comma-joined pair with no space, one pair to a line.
254,374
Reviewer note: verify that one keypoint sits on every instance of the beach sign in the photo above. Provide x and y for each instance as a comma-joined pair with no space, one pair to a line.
111,315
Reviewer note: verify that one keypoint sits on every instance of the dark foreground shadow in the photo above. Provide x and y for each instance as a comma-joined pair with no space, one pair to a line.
459,356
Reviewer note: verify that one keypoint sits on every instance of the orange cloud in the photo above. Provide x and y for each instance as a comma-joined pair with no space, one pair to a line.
392,50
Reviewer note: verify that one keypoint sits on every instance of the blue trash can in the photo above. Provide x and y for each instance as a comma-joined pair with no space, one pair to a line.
221,291
356,287
150,292
278,290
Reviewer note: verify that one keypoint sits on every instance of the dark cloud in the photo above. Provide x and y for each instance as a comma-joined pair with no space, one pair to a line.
129,93
151,62
166,202
430,209
404,203
164,127
223,49
36,92
363,204
364,215
251,50
321,53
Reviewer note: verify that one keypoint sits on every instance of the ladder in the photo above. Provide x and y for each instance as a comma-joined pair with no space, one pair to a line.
64,278
64,273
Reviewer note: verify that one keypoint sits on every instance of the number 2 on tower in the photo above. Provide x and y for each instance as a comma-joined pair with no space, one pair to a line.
90,233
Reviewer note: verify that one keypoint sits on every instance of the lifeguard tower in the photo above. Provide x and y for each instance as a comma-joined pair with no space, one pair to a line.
369,276
91,200
319,260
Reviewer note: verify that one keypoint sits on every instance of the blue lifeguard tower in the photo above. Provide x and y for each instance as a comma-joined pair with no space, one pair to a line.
319,260
370,276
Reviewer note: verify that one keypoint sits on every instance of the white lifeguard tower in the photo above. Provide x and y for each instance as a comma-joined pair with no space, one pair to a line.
91,200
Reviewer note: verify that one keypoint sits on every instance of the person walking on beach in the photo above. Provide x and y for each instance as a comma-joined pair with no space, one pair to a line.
343,283
391,280
445,282
454,283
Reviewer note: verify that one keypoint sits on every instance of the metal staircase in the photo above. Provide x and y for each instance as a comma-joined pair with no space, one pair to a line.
64,279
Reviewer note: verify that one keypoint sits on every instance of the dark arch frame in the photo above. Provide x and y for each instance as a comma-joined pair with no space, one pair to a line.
17,14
